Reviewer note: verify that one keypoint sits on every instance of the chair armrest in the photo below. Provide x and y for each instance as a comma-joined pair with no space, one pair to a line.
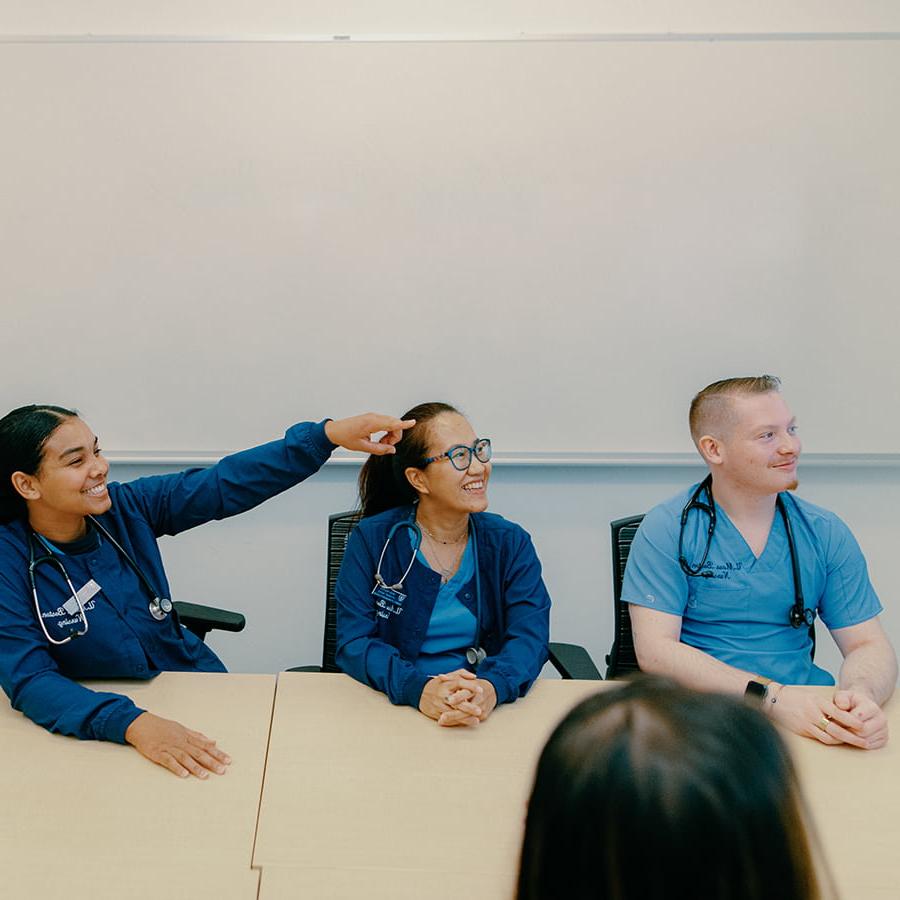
572,661
203,619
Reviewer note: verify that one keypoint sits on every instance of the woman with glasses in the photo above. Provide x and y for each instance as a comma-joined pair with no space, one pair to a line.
440,604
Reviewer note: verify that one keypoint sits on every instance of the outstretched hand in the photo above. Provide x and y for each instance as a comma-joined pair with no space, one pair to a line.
356,432
176,748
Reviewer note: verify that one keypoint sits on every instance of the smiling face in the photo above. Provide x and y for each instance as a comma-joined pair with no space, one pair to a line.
71,480
757,448
443,488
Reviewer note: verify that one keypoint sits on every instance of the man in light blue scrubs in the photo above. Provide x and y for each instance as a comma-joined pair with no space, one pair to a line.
712,586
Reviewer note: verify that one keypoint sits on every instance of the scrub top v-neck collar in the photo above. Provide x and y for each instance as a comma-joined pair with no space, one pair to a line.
775,551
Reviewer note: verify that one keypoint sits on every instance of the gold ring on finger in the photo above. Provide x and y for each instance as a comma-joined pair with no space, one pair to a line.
824,722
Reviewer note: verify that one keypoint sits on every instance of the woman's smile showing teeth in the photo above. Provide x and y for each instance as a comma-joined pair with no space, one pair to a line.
474,486
98,490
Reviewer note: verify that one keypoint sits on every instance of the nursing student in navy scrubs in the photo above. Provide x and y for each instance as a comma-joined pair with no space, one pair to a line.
440,604
83,591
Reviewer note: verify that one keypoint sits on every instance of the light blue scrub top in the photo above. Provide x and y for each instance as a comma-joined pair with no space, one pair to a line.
740,614
452,627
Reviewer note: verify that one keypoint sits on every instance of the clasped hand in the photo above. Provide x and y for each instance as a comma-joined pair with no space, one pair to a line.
458,698
850,717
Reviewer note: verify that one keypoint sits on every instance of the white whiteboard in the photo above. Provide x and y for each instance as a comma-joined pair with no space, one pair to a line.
204,242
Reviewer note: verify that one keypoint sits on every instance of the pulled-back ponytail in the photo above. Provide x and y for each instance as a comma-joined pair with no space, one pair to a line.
23,433
382,482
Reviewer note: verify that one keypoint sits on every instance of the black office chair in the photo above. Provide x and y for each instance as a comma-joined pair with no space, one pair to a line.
203,619
570,660
622,660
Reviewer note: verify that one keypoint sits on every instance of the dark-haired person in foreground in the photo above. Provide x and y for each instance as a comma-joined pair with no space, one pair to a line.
440,604
651,791
726,578
83,591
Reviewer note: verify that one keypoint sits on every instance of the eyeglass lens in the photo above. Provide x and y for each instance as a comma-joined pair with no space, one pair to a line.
461,457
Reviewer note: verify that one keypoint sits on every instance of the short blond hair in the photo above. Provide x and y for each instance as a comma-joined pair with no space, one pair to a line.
712,405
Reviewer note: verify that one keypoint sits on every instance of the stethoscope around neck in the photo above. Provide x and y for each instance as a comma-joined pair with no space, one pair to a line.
799,615
159,607
476,654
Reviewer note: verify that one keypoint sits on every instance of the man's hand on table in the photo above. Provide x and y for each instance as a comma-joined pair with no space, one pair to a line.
850,717
871,721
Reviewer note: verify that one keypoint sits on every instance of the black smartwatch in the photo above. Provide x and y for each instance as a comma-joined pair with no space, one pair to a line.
755,691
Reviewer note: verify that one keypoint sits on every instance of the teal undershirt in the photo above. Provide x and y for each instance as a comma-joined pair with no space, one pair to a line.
452,628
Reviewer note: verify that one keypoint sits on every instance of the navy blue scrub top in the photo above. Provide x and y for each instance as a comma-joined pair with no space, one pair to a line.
123,639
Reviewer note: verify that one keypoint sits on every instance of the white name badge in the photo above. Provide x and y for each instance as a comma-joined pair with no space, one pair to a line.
87,591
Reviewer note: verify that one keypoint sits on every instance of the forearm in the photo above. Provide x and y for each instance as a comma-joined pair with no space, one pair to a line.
514,670
689,666
380,666
237,483
870,669
65,707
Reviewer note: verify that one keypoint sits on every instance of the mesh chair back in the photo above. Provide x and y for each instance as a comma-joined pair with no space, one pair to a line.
622,659
339,527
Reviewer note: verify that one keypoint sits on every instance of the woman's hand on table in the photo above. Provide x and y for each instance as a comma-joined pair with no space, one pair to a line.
458,698
176,748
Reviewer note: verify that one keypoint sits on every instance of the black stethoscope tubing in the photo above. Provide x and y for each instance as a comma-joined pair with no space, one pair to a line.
159,607
475,654
799,615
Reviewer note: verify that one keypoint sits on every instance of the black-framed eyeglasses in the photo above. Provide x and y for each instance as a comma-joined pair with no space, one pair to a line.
460,455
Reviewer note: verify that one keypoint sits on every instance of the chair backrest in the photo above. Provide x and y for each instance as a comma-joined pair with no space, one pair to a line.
622,659
339,527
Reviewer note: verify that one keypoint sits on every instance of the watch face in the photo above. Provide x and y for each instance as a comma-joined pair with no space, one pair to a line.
755,690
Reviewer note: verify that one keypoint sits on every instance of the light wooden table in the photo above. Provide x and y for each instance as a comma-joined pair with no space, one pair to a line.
361,798
92,815
854,798
365,799
163,881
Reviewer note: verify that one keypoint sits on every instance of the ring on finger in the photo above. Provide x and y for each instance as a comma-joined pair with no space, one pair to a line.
824,721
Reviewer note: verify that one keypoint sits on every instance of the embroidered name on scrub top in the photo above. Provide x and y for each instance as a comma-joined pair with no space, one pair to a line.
388,601
739,612
85,594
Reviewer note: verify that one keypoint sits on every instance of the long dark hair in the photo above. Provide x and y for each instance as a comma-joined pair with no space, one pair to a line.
382,482
23,433
653,791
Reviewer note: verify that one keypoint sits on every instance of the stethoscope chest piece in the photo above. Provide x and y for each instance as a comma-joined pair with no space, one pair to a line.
160,608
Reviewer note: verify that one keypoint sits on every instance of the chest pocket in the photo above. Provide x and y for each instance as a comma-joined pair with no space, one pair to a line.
715,599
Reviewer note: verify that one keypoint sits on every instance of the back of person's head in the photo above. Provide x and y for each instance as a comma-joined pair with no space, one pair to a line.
711,409
650,791
382,481
23,433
